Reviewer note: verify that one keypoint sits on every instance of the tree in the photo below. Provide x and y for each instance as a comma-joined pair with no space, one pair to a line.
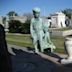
15,26
28,15
12,13
25,28
26,25
67,12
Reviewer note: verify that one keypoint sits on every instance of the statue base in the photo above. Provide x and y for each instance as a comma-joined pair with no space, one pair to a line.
66,61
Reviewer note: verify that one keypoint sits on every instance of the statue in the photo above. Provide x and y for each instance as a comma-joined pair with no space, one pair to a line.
39,32
47,41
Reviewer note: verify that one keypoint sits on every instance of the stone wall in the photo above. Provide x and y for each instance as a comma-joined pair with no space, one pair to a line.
61,33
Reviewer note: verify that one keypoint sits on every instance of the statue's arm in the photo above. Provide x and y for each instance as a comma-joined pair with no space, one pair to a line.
31,29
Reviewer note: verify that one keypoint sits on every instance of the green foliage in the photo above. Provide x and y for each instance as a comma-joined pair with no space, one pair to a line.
11,13
14,26
25,28
28,15
18,27
67,12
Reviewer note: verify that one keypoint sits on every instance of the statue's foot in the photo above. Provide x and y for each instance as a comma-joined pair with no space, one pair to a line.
48,50
42,50
52,50
36,51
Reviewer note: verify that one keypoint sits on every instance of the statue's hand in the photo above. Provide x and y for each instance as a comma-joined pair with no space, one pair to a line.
54,47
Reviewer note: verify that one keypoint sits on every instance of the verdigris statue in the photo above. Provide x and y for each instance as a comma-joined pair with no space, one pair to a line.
39,32
47,41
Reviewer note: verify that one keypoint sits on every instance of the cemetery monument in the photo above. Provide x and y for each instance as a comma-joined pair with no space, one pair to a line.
39,32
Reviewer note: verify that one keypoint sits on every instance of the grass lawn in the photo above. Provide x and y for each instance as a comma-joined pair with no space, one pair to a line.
25,40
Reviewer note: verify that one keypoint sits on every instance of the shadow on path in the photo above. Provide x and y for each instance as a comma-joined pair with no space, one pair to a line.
31,62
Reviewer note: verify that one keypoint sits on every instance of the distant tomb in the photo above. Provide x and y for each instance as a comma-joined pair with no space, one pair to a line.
58,20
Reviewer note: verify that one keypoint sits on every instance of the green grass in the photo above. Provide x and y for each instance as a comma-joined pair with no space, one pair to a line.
20,40
25,41
58,41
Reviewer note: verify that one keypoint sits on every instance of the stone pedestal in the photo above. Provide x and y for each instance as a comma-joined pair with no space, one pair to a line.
68,47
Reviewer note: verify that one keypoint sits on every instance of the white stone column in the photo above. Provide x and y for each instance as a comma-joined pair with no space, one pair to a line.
71,20
7,25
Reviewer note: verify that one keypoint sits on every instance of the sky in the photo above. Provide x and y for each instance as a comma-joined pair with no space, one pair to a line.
26,6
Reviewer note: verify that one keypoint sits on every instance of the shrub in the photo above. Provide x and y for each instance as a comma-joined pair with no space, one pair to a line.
18,27
14,26
25,28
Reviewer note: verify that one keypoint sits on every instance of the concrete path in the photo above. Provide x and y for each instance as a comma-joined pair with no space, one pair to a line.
25,60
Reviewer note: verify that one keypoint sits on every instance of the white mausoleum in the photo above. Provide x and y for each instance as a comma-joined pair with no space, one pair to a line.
1,19
58,20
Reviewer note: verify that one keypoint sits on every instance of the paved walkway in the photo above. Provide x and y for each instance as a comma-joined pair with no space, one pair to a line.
25,60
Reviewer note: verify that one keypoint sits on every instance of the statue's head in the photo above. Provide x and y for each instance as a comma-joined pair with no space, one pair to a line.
36,12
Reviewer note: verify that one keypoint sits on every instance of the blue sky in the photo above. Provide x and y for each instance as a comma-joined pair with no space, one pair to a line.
25,6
